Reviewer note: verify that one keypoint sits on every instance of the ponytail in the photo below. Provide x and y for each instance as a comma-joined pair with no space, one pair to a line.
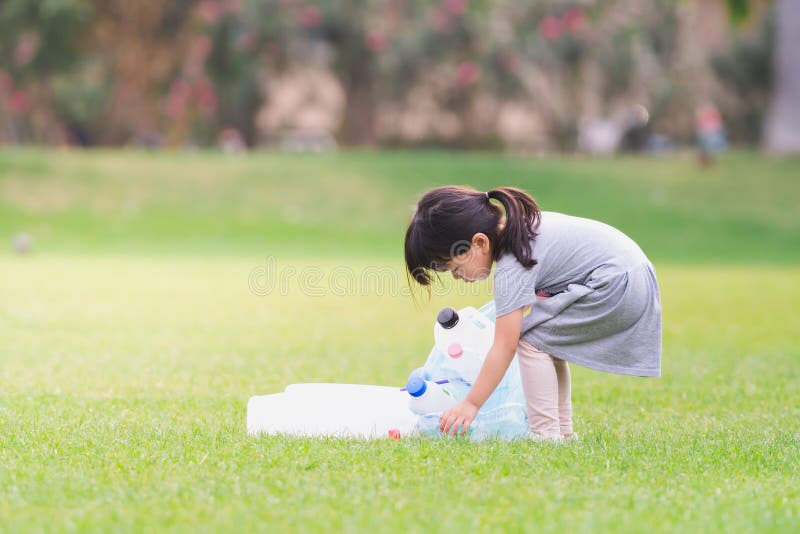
522,220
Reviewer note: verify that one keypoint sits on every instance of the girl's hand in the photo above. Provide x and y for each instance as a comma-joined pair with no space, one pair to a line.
458,417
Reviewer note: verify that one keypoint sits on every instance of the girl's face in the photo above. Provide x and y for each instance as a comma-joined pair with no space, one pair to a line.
475,263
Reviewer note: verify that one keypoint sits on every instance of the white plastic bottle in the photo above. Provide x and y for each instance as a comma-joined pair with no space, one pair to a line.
426,396
465,337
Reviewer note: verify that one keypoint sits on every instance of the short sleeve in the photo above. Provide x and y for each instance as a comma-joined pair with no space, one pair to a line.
514,286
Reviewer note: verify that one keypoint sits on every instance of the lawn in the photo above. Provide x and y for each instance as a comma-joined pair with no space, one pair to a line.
132,337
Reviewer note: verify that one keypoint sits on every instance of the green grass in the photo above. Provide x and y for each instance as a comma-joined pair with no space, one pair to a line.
131,340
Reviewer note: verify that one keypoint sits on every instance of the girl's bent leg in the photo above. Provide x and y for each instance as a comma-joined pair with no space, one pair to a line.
540,385
564,397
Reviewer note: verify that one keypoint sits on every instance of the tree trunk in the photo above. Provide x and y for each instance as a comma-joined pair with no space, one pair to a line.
782,132
358,125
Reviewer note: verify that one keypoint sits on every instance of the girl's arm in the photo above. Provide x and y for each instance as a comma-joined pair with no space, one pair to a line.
506,336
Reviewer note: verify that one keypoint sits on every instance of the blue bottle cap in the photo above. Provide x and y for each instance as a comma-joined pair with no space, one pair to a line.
416,386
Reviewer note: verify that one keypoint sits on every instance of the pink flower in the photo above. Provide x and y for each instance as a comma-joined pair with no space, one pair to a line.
309,17
210,11
376,41
206,97
201,47
176,107
180,87
179,93
455,7
18,102
573,19
468,73
441,21
550,28
26,49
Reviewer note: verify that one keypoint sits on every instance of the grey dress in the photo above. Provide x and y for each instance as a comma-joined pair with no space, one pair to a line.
605,312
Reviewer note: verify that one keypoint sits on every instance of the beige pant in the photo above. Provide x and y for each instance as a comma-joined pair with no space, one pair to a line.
545,381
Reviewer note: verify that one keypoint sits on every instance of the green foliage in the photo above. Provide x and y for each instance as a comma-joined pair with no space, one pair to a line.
739,10
458,53
52,25
233,67
80,94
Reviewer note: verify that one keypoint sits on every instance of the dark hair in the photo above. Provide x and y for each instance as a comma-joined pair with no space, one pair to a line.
447,217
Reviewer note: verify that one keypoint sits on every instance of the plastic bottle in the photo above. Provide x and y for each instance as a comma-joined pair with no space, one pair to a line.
426,396
465,362
465,337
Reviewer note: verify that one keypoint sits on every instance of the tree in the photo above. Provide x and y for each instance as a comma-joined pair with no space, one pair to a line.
140,43
37,43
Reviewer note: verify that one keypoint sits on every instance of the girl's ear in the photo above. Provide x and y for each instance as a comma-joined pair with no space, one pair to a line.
481,241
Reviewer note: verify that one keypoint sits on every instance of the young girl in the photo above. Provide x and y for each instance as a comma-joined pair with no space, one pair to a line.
566,289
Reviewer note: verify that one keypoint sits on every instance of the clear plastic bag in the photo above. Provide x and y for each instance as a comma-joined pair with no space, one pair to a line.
503,416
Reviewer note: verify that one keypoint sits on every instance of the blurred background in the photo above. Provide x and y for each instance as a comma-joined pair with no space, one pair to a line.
527,77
